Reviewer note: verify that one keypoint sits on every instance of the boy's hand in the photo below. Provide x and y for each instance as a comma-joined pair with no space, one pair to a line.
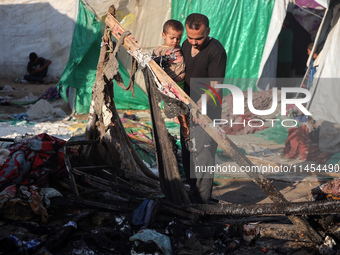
175,56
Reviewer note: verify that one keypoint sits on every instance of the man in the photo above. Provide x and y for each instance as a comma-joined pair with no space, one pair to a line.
37,68
204,57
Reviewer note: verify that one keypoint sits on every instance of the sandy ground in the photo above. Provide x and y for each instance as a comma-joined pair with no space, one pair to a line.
233,187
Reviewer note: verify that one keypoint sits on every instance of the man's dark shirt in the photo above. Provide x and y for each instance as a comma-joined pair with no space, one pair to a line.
33,66
210,62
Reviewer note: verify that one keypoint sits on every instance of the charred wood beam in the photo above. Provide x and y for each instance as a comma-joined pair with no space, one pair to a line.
138,178
130,43
282,246
70,173
61,234
167,219
287,232
147,181
282,219
170,179
120,207
169,210
108,186
294,208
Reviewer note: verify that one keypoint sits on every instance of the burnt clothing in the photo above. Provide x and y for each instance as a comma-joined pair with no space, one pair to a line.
210,62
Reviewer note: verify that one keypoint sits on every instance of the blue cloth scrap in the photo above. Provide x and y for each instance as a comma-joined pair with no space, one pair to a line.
302,118
21,116
142,215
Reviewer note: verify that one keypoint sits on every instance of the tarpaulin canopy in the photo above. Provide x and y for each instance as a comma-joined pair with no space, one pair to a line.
69,33
241,26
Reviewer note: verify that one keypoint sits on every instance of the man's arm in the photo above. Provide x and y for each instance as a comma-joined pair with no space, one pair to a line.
46,64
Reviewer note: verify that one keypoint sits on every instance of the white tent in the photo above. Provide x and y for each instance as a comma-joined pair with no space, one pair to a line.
46,27
269,57
325,103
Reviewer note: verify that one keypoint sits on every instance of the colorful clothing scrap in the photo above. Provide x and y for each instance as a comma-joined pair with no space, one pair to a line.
34,161
299,145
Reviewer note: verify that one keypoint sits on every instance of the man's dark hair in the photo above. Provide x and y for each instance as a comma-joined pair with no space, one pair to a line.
33,56
195,21
174,24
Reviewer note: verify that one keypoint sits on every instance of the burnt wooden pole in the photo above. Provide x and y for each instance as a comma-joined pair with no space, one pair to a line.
104,122
217,134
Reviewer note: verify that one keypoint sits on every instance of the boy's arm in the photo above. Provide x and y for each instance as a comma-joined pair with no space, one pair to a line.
180,77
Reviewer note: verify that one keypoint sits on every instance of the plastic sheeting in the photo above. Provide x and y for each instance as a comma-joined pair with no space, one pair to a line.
309,19
44,27
325,103
240,25
268,63
80,71
136,16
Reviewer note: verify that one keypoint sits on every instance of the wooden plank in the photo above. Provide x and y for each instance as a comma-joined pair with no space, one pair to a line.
130,43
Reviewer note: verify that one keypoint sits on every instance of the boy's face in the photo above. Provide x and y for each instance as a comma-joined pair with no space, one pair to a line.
172,37
197,37
314,55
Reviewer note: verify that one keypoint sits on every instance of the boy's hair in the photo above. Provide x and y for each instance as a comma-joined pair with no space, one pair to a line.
310,46
196,20
174,24
33,56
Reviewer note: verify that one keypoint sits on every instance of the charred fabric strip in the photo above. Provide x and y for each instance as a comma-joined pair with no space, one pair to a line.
104,121
63,232
294,208
112,64
169,177
173,107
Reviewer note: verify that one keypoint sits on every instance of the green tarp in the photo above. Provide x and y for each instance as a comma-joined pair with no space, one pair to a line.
240,25
80,71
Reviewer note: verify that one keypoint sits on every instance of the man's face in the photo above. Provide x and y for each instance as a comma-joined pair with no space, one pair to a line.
172,37
197,37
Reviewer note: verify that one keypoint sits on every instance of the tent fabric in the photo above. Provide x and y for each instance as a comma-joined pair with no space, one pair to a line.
309,19
80,71
267,68
325,103
309,4
44,27
247,29
241,26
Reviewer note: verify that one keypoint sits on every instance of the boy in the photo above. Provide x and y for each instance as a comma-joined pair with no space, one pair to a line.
170,53
311,69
